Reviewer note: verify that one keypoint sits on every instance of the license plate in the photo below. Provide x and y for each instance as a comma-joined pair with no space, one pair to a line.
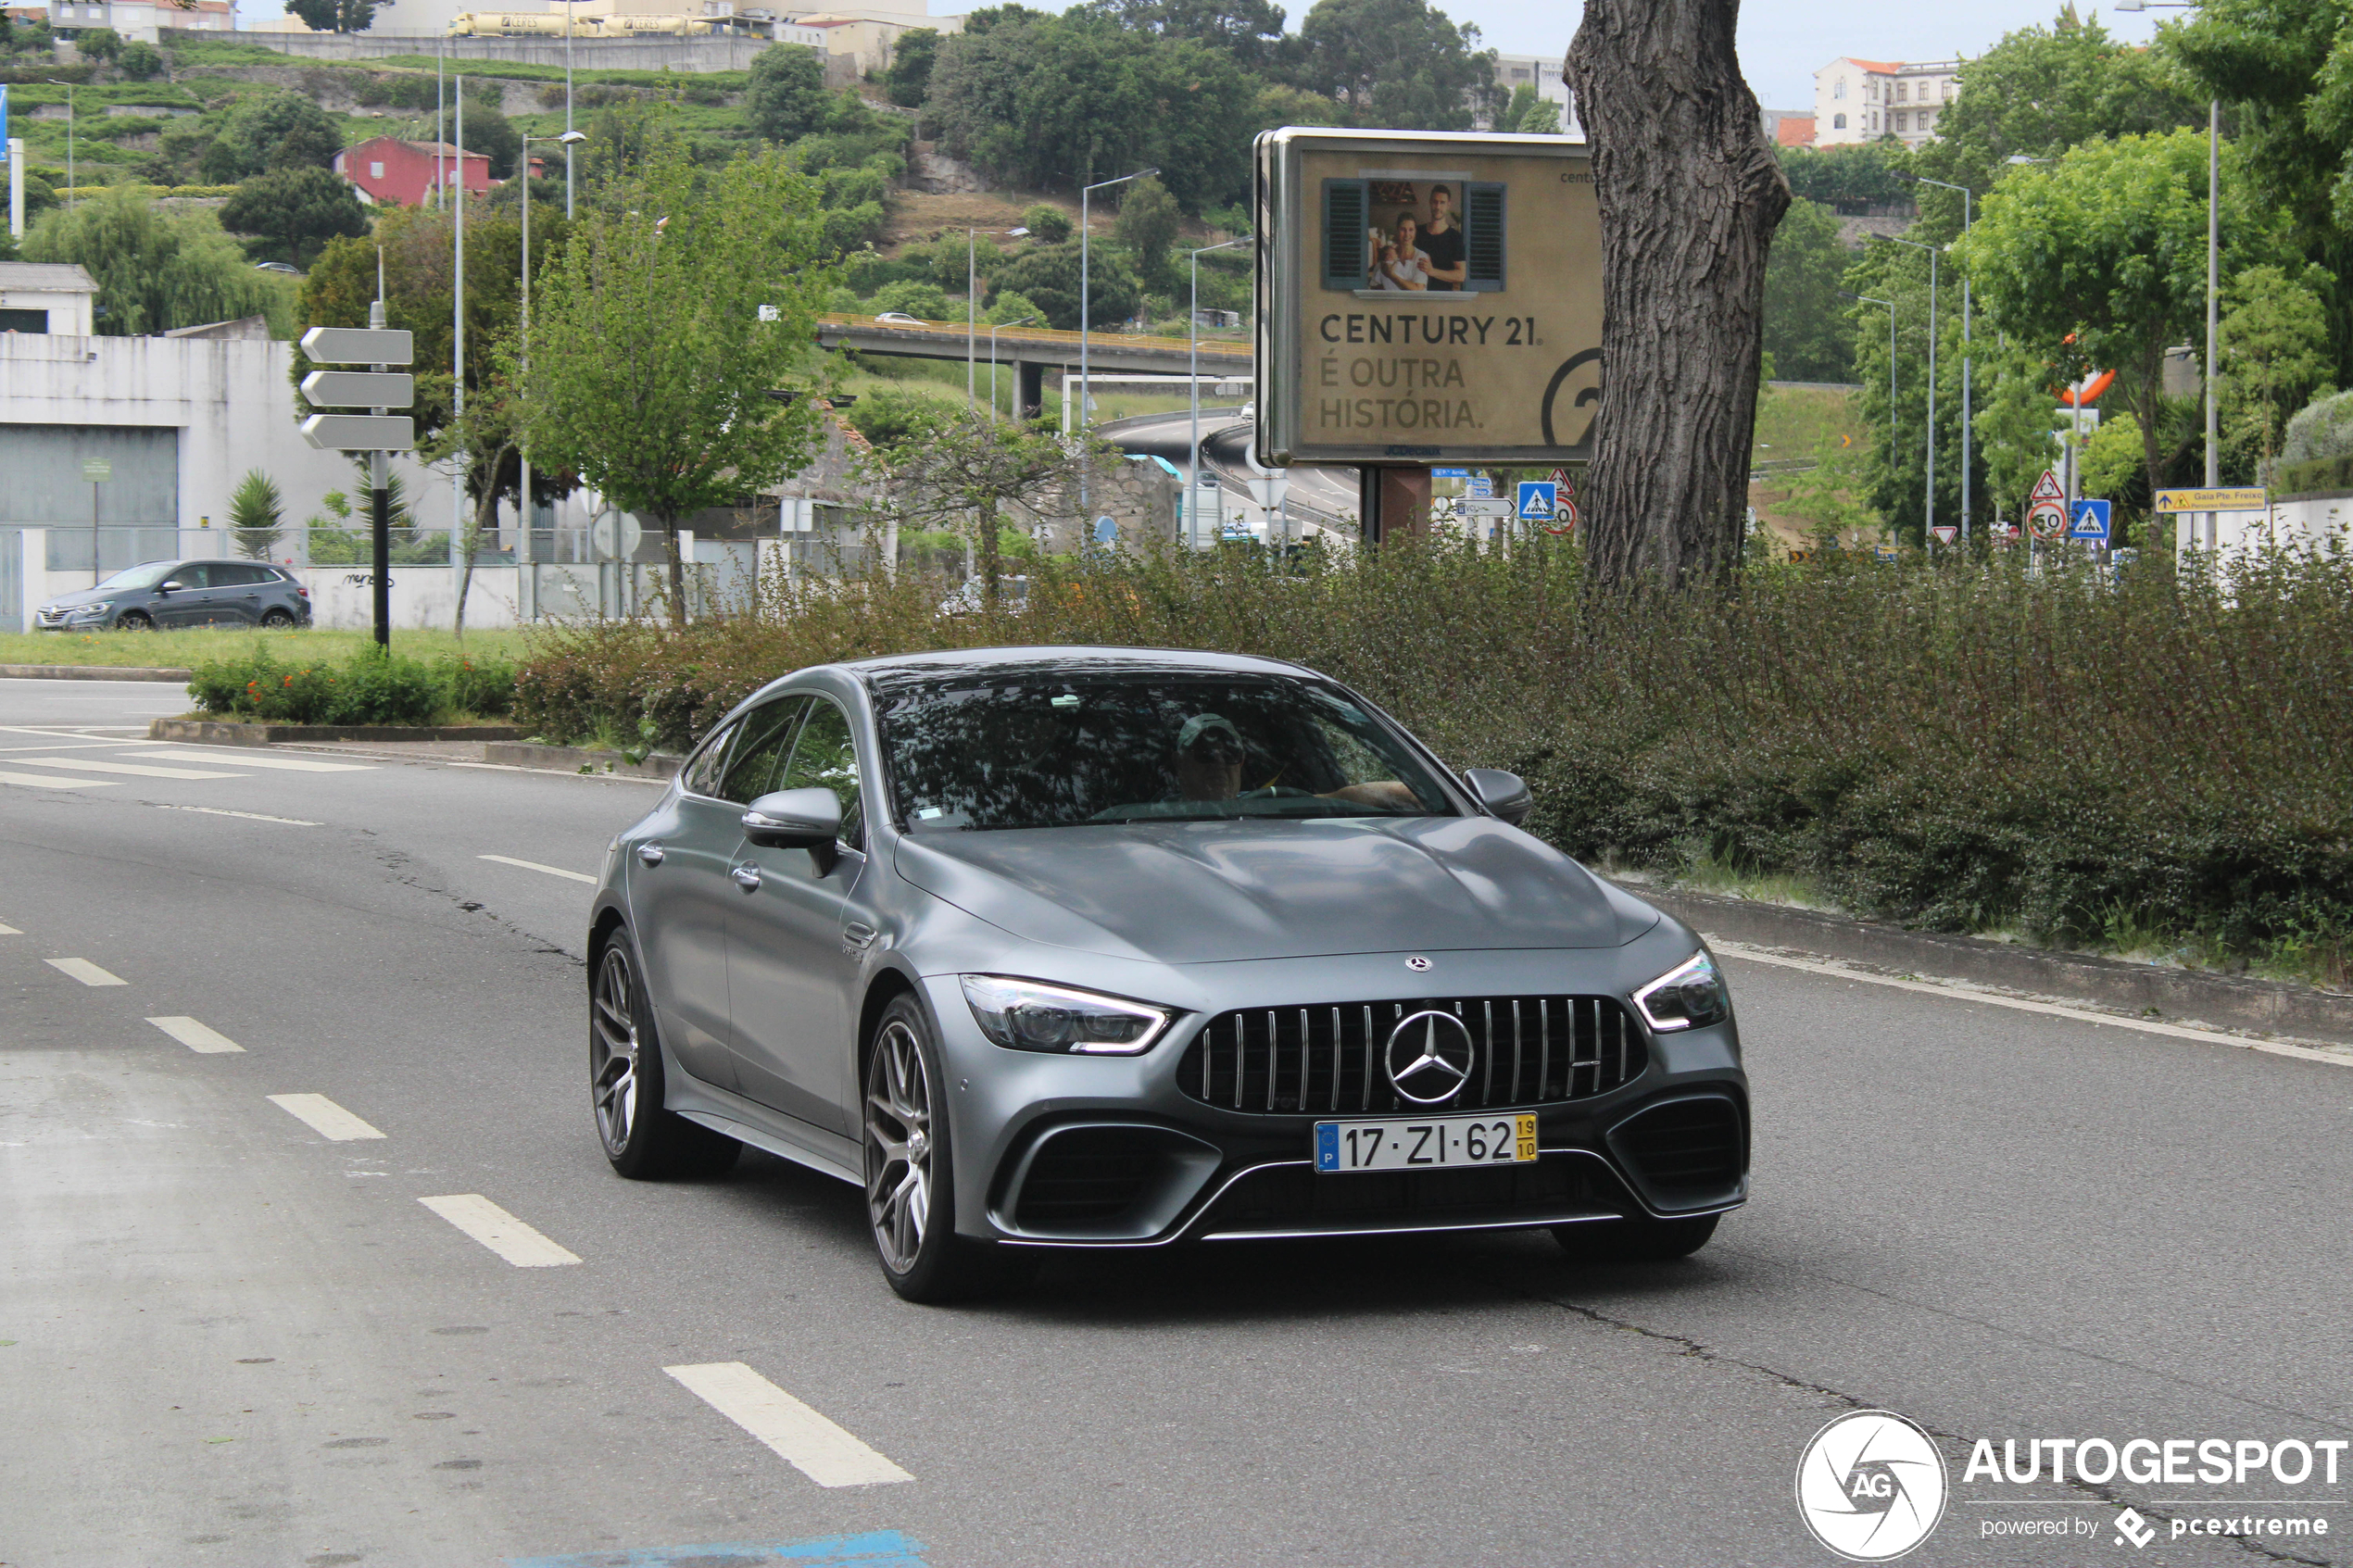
1431,1143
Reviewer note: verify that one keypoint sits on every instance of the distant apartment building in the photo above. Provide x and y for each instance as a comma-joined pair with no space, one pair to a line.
393,172
1857,101
139,19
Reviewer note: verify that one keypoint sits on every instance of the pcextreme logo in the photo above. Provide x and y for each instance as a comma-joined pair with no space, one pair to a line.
1871,1486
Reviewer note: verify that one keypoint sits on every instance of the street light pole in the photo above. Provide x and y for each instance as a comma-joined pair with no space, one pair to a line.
1085,387
1928,535
526,563
1968,201
569,138
1192,447
972,315
992,364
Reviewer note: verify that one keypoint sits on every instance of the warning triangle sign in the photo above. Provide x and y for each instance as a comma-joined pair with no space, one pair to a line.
2047,488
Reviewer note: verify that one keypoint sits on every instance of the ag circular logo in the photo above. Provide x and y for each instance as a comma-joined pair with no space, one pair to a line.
1429,1057
1871,1486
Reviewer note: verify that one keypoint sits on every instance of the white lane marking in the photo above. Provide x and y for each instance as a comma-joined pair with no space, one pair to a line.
258,759
500,1231
535,866
9,931
136,770
804,1439
86,971
34,781
248,816
196,1037
1959,993
79,743
324,1117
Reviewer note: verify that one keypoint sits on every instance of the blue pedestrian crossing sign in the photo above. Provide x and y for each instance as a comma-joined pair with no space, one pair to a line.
1539,500
2089,522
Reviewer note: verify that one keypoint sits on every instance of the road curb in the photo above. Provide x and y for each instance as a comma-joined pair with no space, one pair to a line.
2175,996
88,672
224,734
576,760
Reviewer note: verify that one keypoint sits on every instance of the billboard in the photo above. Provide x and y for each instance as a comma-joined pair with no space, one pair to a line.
1425,297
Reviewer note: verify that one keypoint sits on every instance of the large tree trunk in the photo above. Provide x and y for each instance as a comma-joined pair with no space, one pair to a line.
1689,196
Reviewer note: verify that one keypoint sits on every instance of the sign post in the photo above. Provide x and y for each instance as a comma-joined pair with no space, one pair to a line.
97,470
1425,298
378,432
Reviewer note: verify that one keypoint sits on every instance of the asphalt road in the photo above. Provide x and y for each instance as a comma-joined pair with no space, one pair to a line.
1322,495
226,1338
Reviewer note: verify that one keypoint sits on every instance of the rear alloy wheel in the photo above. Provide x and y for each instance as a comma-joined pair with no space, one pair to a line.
277,620
135,620
911,1201
1636,1241
643,1139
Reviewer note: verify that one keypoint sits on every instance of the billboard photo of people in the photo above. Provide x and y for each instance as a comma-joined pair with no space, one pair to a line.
1415,236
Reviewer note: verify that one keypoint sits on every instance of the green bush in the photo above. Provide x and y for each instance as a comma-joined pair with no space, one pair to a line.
370,688
1964,749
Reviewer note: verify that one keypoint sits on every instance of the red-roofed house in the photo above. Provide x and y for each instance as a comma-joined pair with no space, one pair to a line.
390,170
1857,101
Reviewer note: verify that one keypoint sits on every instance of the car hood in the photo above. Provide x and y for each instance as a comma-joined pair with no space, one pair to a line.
86,597
1216,892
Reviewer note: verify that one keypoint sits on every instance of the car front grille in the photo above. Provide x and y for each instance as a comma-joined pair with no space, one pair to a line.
1686,1152
48,616
1525,1050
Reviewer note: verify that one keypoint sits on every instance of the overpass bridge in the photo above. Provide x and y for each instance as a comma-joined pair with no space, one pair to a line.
1032,351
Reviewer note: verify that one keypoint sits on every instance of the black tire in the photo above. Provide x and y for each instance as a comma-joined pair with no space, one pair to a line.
642,1137
277,620
911,1188
134,620
1636,1241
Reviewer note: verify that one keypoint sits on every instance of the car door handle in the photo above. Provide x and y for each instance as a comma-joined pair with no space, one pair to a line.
857,936
747,877
649,852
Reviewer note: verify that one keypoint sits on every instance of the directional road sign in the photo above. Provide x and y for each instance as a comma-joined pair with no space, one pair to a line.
2248,498
2047,520
361,432
2090,521
360,389
358,346
1486,507
1539,500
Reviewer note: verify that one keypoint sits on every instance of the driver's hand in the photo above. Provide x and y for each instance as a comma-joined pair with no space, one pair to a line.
1386,794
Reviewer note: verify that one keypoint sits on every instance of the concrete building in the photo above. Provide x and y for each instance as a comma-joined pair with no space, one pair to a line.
139,20
869,35
1857,100
390,172
46,297
1789,128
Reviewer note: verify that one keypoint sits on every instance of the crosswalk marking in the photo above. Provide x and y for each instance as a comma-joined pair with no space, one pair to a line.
535,866
34,781
248,816
801,1437
196,1037
324,1117
85,971
255,759
136,770
499,1231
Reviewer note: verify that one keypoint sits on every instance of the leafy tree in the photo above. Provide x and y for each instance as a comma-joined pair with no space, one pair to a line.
334,15
1011,308
908,81
786,98
1398,64
1248,31
489,133
1049,225
1049,275
2274,358
98,43
1849,178
1280,104
272,130
1148,226
256,514
2110,467
967,469
925,302
2108,248
892,417
292,213
140,61
1530,113
1807,331
153,271
651,363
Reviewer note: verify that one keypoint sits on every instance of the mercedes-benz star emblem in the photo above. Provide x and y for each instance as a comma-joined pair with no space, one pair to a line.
1417,964
1429,1057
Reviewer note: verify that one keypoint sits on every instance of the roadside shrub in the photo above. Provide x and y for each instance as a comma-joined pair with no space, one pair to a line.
1960,749
368,688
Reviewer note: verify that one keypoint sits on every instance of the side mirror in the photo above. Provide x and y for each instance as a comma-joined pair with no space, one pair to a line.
175,586
1504,793
795,819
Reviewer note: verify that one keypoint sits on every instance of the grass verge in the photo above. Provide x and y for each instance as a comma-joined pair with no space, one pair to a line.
185,650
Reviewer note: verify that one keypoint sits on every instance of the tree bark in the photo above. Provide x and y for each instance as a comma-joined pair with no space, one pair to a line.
1690,194
677,574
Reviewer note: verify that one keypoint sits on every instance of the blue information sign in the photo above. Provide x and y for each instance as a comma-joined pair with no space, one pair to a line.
1539,500
2090,521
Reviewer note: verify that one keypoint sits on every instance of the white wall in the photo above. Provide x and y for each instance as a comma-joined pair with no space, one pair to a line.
232,402
2299,524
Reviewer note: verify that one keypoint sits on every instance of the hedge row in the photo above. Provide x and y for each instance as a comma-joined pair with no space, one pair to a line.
1958,750
369,688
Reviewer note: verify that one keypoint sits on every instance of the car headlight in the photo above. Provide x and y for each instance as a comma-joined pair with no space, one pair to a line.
78,612
1690,994
1029,1015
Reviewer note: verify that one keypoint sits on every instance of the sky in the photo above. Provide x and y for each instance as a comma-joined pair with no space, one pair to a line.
1783,42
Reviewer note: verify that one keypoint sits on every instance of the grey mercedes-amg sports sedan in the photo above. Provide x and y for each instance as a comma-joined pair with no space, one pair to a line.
1118,948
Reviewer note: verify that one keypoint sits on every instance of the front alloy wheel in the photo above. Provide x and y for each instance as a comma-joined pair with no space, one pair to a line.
910,1204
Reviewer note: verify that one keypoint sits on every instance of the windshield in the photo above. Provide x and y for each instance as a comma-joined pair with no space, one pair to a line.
1033,749
146,576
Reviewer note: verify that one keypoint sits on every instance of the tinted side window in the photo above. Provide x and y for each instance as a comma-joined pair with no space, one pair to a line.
193,574
702,773
759,754
823,757
228,576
